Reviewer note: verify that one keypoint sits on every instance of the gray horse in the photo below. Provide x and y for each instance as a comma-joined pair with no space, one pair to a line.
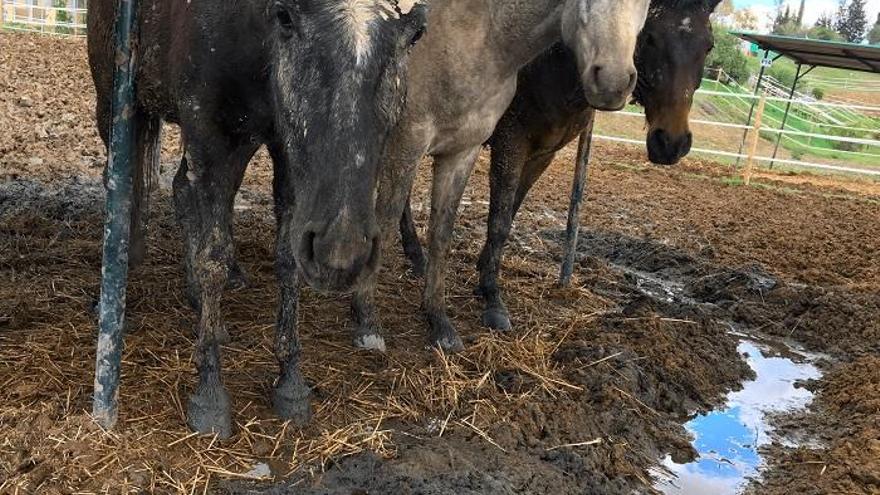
463,76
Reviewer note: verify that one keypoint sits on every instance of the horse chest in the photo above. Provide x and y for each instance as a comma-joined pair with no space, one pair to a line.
471,121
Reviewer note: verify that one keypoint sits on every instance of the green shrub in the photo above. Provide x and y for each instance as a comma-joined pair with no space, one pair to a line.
782,72
818,93
61,16
727,56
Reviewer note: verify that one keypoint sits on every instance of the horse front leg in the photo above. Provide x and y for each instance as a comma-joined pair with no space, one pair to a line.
399,166
451,173
290,397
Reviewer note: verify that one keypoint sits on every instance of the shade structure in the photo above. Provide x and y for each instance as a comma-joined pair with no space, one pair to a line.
819,53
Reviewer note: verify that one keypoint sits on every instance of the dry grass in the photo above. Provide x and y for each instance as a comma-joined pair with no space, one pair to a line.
361,400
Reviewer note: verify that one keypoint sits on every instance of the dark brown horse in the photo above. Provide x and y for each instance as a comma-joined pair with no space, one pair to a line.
549,111
321,84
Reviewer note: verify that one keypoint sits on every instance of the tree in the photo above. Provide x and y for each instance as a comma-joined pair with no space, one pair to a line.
725,8
825,21
824,33
874,35
727,55
800,17
783,18
745,20
854,23
840,17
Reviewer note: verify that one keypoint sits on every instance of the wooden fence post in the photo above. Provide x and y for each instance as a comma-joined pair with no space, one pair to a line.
753,145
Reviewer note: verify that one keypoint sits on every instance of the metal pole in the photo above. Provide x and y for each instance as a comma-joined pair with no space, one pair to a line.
577,194
797,77
114,273
752,109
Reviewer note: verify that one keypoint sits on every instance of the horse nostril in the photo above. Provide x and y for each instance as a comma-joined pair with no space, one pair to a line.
686,144
662,137
633,75
307,249
596,70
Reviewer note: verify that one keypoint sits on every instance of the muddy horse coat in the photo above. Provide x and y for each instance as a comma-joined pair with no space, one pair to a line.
320,83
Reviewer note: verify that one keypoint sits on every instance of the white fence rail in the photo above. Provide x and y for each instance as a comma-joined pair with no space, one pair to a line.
67,17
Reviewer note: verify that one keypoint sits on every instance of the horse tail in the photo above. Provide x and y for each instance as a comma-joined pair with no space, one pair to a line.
145,177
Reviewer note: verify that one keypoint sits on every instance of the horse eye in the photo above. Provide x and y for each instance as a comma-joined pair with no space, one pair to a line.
418,36
283,17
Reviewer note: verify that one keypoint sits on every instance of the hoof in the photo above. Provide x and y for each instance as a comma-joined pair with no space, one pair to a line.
497,319
443,334
451,344
370,342
290,400
209,412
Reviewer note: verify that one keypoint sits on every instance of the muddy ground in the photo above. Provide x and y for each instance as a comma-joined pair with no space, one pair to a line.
586,396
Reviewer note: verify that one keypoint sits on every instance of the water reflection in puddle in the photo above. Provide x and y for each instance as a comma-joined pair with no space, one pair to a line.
727,440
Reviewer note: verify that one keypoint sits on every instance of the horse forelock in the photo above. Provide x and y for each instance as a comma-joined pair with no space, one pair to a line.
358,19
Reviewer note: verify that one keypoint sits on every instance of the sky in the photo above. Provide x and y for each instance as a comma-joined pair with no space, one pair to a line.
814,8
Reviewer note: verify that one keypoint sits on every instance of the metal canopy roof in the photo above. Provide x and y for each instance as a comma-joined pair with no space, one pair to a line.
819,53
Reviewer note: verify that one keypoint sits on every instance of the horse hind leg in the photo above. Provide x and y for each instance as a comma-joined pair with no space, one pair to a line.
412,247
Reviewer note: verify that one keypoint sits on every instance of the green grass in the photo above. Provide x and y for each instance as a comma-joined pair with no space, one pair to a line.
735,111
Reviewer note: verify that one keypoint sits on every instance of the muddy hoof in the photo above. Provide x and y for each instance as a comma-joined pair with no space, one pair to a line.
369,341
451,344
210,412
290,400
497,319
443,334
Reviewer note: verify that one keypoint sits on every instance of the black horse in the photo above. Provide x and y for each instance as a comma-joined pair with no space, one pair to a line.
320,83
549,111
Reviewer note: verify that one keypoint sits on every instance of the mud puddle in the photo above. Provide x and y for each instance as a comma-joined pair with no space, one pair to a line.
728,440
